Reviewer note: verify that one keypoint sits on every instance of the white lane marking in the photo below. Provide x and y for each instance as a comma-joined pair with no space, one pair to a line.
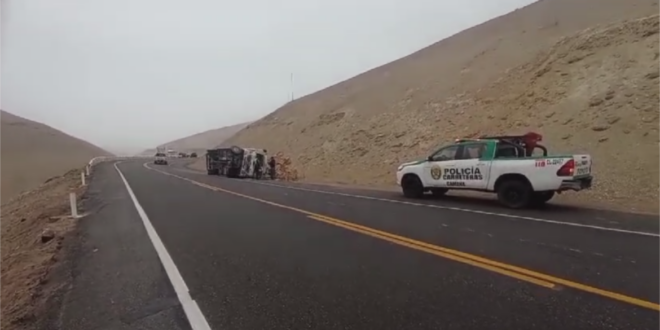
191,309
556,222
504,215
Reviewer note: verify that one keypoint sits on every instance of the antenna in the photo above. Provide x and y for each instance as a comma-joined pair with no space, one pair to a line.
292,96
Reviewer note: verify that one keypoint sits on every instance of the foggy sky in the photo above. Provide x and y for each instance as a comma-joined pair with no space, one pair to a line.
130,74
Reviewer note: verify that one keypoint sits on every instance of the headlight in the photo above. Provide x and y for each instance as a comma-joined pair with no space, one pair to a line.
400,168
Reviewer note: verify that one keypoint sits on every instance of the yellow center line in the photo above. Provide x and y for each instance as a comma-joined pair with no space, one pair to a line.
520,273
440,254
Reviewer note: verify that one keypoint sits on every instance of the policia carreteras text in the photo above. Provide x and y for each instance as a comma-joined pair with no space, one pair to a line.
471,173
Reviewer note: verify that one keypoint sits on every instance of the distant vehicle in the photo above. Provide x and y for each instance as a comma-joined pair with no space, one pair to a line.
236,162
183,155
161,159
193,155
505,165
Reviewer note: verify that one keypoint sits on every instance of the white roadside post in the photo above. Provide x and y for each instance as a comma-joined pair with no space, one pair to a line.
87,169
82,178
74,206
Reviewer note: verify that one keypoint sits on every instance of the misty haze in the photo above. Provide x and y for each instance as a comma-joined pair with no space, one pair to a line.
198,165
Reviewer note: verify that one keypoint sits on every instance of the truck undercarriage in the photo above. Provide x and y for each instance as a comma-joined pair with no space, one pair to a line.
237,162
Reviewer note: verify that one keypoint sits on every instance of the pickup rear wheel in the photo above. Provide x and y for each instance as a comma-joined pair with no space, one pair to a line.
515,194
412,187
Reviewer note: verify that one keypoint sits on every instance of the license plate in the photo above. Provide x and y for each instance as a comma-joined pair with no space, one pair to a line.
580,171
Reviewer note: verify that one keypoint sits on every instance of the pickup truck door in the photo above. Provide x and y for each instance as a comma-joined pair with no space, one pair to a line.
439,163
471,168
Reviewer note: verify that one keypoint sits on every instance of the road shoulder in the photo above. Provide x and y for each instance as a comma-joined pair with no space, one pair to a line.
116,278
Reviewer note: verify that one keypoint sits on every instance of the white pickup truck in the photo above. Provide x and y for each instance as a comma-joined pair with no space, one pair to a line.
505,165
161,159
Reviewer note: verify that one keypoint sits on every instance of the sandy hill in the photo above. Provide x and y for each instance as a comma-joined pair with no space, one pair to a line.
33,152
202,141
584,73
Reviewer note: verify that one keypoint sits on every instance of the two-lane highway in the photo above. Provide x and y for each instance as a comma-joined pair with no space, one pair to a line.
258,256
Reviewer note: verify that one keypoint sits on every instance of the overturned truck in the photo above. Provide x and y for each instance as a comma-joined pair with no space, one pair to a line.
237,162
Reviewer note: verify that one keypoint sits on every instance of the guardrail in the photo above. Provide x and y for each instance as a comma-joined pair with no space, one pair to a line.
73,199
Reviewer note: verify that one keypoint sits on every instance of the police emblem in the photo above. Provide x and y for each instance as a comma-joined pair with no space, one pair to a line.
436,172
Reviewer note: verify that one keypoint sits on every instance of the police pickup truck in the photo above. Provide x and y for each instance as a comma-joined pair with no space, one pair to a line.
505,165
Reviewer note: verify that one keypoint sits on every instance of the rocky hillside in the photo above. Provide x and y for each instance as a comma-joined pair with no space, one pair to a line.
584,73
33,152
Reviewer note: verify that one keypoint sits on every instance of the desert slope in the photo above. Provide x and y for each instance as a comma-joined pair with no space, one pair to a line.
202,141
33,152
584,73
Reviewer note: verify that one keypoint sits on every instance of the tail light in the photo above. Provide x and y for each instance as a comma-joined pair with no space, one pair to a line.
567,169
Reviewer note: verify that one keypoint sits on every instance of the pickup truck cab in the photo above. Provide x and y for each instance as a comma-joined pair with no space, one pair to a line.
505,165
161,159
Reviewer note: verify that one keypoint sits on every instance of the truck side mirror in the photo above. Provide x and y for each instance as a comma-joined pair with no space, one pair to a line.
429,158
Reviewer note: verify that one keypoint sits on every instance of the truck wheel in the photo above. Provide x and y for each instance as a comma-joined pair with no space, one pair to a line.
541,197
439,192
515,194
412,187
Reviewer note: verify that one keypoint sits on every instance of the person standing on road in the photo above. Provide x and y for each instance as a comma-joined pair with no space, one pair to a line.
258,168
271,167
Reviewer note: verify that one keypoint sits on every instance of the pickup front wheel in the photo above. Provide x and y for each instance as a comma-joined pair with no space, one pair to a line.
412,187
515,194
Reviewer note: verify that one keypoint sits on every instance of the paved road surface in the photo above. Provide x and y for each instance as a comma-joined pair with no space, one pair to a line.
259,256
118,280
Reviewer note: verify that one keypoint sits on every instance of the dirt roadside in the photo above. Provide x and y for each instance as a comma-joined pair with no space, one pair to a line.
36,226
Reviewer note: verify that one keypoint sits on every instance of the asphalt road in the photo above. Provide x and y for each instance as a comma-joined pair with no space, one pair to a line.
260,256
117,281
